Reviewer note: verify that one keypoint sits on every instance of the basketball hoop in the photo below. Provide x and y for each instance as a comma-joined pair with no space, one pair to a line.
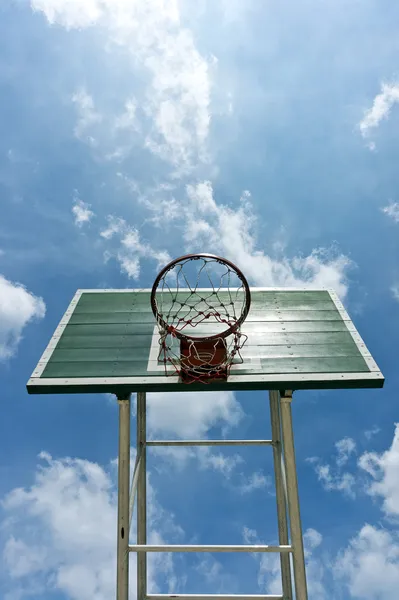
200,322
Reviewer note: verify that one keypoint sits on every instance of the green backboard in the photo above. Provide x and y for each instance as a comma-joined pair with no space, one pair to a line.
107,341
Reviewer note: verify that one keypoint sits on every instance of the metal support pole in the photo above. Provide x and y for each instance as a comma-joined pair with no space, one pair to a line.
122,577
204,548
293,498
133,488
213,597
281,492
210,443
141,497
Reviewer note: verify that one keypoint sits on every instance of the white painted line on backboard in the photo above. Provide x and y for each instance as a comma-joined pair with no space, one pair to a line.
370,362
154,366
56,336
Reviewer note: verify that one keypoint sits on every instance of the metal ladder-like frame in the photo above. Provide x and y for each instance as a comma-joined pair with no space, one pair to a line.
288,514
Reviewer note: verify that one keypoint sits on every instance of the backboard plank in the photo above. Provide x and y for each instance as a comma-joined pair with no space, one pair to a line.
259,326
108,340
123,368
130,353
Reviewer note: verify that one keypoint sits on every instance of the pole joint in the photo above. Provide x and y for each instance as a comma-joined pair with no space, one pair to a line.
122,398
286,395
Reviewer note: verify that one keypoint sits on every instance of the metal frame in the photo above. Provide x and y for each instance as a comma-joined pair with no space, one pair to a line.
122,578
141,496
121,385
212,596
282,443
281,491
288,513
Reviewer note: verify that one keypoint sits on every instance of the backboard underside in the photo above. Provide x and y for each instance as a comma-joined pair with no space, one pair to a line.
107,341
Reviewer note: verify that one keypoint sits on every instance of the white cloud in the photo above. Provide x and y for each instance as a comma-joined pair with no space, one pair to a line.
395,291
216,461
22,559
81,211
230,232
115,226
392,211
340,482
345,448
382,106
69,13
68,515
175,108
370,564
255,481
205,458
179,73
269,575
177,98
60,533
369,433
208,459
384,470
18,307
88,116
210,569
131,249
111,136
333,478
192,415
128,119
312,539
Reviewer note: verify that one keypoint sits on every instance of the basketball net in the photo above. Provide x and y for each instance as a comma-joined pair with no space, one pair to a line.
200,334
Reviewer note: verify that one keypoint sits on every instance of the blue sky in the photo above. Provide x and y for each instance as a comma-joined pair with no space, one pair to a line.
132,132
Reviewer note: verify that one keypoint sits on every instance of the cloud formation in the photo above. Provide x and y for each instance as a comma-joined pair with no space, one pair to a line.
332,476
192,415
18,307
392,211
369,566
345,448
231,233
226,231
130,248
87,116
382,106
269,573
383,469
81,211
56,541
170,117
59,533
177,98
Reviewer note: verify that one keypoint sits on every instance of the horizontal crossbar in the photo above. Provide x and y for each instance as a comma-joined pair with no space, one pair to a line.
209,596
191,548
210,443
